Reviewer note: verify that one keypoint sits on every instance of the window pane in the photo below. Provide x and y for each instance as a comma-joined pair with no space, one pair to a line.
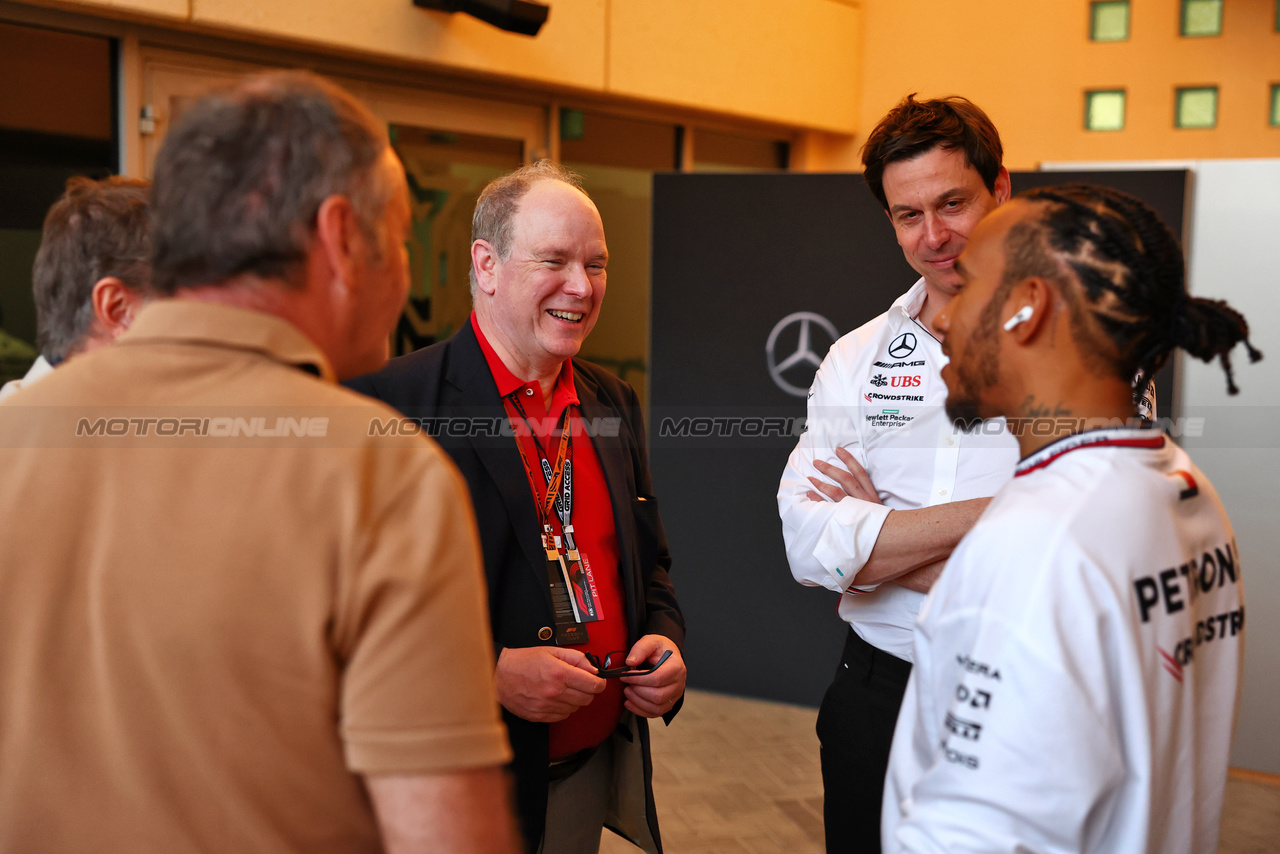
1201,17
57,119
607,140
1197,108
616,157
446,172
1275,105
1104,110
1109,21
723,152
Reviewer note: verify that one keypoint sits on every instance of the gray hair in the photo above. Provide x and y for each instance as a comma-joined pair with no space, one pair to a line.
500,199
242,174
94,230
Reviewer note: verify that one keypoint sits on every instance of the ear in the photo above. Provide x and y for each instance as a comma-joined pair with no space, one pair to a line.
1004,187
339,242
1036,294
114,305
485,262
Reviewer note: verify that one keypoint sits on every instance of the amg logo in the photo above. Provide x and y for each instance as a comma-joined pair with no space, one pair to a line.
919,363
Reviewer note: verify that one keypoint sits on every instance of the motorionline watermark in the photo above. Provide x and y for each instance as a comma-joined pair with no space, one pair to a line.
764,427
1067,425
481,427
218,427
723,427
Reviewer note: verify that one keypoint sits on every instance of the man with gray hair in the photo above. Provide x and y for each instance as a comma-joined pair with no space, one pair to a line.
585,622
230,618
92,271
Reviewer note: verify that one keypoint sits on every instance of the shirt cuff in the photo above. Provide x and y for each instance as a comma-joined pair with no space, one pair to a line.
848,538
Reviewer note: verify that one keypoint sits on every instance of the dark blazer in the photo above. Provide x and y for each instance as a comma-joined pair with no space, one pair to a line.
450,382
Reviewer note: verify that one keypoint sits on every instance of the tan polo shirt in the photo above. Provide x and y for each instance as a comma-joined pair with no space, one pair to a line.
224,595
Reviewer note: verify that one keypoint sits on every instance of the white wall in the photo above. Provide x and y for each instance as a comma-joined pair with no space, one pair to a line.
1234,254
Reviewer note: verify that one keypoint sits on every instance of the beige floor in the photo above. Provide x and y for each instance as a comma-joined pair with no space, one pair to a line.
736,776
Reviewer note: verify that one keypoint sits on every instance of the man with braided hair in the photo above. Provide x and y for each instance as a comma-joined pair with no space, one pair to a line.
1077,664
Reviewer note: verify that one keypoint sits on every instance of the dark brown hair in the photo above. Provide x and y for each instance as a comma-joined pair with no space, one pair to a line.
915,127
94,230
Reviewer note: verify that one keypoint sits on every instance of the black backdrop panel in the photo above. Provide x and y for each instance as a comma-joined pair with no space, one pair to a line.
734,258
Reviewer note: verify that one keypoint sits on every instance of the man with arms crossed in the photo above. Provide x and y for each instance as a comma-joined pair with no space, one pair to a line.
1077,664
876,409
580,735
236,622
92,270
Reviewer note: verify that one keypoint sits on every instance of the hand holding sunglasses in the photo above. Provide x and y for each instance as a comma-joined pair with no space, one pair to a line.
615,665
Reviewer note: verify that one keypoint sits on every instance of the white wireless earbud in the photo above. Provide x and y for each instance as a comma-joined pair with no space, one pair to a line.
1023,315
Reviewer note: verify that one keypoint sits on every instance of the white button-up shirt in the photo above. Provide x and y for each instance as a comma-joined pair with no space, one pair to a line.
879,393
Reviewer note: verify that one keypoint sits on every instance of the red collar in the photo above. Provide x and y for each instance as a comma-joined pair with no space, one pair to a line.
1106,437
564,393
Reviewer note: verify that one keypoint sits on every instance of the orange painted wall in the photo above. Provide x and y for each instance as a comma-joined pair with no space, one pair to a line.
1028,65
829,69
786,62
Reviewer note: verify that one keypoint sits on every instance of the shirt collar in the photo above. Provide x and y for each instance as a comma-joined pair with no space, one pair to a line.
912,301
1101,437
564,393
184,321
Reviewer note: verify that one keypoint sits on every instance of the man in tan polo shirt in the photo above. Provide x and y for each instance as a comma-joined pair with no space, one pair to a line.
231,617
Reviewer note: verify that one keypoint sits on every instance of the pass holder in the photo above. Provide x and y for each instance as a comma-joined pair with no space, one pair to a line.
579,583
569,628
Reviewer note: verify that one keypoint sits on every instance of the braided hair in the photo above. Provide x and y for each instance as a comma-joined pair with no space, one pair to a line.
1134,281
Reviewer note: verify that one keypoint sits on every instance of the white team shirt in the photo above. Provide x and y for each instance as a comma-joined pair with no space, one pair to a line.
879,393
1077,664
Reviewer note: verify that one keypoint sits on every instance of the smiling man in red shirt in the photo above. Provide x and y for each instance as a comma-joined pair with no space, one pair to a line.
553,451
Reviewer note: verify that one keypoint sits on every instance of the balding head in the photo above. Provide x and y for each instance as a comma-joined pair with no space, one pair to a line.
499,200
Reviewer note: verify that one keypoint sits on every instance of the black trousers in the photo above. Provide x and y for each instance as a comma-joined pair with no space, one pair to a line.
855,727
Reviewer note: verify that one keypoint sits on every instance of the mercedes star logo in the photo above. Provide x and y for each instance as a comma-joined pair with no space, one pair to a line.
903,346
804,354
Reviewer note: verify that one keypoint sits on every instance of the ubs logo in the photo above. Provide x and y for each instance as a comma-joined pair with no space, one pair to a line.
879,381
902,346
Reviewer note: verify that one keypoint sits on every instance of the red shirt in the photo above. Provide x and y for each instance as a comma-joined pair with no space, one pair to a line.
594,530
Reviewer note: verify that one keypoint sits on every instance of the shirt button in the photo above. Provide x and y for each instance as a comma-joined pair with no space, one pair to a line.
545,633
529,392
942,492
950,441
